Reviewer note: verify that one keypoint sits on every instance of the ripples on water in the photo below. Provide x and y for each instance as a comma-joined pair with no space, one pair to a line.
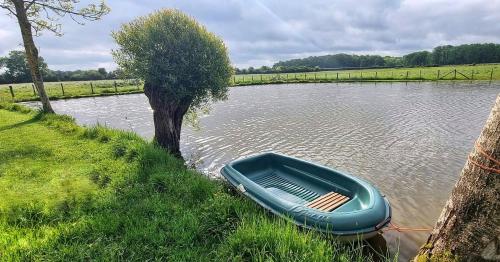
409,140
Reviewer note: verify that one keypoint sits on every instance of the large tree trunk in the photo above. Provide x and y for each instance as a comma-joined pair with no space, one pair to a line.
469,225
168,114
32,54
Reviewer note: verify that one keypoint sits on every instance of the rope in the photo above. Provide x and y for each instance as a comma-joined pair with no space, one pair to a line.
393,226
494,170
483,152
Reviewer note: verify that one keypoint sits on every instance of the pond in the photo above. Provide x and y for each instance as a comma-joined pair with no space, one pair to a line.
410,140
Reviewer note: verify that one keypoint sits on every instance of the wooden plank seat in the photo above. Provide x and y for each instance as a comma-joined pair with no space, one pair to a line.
328,202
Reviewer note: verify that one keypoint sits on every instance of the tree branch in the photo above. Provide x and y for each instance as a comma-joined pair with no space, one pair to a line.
91,16
8,8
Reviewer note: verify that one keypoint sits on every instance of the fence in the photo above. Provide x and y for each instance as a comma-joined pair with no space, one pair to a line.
386,75
23,92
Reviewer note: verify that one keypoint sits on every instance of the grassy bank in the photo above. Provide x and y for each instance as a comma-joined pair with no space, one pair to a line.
463,72
24,92
74,193
73,89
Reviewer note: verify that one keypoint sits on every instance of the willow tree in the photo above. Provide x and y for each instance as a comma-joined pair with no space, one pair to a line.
35,16
469,226
182,64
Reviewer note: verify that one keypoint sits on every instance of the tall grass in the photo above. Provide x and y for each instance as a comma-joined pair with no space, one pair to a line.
75,193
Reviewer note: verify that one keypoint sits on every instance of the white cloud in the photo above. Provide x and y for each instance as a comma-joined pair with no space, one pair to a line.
261,32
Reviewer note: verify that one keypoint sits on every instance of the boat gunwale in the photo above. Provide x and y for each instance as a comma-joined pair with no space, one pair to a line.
370,189
252,190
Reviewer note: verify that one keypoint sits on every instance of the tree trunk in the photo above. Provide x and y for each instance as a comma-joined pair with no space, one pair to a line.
469,226
32,54
167,115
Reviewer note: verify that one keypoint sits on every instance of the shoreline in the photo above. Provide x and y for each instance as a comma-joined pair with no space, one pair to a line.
256,83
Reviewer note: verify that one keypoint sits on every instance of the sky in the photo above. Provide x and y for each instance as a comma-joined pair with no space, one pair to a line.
262,32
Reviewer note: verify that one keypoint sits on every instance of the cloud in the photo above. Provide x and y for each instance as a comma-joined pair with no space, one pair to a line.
261,32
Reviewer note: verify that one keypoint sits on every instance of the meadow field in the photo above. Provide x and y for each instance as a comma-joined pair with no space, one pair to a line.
70,89
452,72
75,89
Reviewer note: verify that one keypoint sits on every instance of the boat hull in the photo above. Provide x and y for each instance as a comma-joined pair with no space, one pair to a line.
285,186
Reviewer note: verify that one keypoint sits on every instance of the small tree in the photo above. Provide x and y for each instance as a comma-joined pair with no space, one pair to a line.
39,15
182,64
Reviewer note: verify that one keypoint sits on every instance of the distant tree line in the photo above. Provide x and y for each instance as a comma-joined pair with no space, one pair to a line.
14,69
276,69
441,55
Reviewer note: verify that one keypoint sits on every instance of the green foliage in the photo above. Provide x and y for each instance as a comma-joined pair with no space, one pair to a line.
107,195
421,58
441,55
172,52
466,54
17,69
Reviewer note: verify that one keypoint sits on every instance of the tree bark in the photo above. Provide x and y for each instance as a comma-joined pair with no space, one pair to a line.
32,54
168,114
469,226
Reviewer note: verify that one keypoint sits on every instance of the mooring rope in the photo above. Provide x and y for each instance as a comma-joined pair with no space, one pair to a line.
393,226
483,152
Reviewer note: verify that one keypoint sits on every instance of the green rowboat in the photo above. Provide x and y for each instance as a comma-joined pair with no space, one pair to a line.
311,195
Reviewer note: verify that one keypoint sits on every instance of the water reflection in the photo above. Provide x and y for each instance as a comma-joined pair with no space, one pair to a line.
409,139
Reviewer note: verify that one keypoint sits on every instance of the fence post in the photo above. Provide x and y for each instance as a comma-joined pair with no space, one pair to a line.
252,78
91,88
361,75
491,74
420,74
314,76
407,74
349,75
392,75
34,92
11,91
455,74
260,78
116,88
438,75
62,88
376,74
472,76
287,76
326,76
337,76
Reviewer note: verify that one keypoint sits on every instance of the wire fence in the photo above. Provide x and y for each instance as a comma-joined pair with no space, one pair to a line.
384,75
55,90
28,91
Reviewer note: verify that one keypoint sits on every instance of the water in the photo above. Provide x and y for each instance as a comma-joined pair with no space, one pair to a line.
409,140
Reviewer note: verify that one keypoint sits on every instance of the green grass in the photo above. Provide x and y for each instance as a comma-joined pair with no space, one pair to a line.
481,72
76,89
74,193
73,89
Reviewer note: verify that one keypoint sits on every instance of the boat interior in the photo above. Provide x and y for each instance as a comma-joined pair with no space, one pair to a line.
304,183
